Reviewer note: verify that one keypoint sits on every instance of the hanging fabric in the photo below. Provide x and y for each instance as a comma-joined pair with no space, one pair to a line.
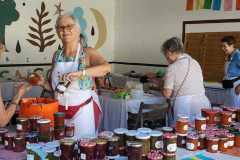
228,5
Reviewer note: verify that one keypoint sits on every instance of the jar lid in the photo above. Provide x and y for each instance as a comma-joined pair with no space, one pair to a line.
180,116
101,141
131,133
143,136
105,134
22,119
67,141
3,130
202,135
113,139
88,144
156,133
201,118
144,130
19,137
167,129
134,144
59,114
9,134
35,117
43,121
120,130
212,138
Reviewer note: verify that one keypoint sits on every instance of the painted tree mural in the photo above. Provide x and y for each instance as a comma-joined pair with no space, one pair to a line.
41,36
8,14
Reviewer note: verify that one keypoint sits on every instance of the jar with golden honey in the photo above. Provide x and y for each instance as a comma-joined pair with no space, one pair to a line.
101,149
156,140
3,131
22,125
113,146
212,144
200,124
169,143
135,150
182,125
192,142
145,140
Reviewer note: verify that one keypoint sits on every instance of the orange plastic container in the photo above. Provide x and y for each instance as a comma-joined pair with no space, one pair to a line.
44,107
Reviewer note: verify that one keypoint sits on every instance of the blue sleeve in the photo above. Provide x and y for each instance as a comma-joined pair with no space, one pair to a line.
237,59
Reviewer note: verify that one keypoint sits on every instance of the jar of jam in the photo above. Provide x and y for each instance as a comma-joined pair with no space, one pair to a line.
8,141
43,126
154,155
33,79
226,118
22,124
87,150
135,150
144,130
31,137
192,142
200,124
33,122
67,148
212,116
237,139
223,144
156,140
201,141
113,146
120,132
238,115
3,131
231,138
101,149
169,143
69,130
233,111
130,135
59,119
62,86
212,144
182,125
145,140
181,140
105,135
59,133
169,156
167,130
19,144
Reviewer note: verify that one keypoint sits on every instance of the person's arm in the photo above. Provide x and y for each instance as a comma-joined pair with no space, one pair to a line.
7,113
169,80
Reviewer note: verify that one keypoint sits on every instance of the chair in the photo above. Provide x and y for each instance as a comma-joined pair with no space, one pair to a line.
148,112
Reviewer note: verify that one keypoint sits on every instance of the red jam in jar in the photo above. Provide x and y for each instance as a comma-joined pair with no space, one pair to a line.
19,144
212,144
226,118
22,125
223,144
87,150
101,149
192,142
233,111
134,150
182,125
33,122
67,149
8,141
200,124
43,126
69,130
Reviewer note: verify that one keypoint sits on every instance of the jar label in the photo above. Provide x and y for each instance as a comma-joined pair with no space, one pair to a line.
203,127
159,144
230,143
83,156
183,141
190,146
198,144
30,157
6,143
234,115
19,127
185,127
225,145
215,147
217,119
172,147
230,119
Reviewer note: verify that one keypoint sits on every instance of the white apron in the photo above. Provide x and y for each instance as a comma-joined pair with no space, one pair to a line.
83,120
230,98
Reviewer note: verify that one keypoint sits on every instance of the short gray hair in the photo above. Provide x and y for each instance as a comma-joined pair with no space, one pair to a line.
68,14
173,44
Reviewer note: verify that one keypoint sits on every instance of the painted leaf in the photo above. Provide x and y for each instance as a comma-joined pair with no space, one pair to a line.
38,13
45,14
33,29
18,47
47,30
49,37
50,43
43,7
92,31
46,21
33,36
33,42
34,20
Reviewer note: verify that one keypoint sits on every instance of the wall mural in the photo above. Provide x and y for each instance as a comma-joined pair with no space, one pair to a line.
28,28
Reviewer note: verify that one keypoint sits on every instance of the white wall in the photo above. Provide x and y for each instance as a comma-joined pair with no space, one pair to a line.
141,26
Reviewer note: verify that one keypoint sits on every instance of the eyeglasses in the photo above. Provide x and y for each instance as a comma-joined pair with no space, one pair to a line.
67,27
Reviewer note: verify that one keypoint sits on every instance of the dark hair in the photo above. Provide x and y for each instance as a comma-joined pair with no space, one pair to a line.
173,44
230,40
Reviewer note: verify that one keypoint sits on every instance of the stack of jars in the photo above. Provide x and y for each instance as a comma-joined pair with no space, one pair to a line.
59,128
169,145
44,130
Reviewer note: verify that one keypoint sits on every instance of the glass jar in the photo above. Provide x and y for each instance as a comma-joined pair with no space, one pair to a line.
130,135
31,154
182,125
154,155
59,133
169,142
212,144
3,131
120,132
134,150
212,116
69,130
167,130
156,140
145,140
19,144
59,119
200,124
233,111
8,141
169,156
101,149
113,146
44,130
181,141
223,143
231,140
192,142
67,148
238,115
201,141
87,150
22,125
105,135
33,122
226,118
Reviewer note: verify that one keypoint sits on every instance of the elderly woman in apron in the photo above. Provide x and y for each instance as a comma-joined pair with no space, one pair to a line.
77,64
183,82
231,71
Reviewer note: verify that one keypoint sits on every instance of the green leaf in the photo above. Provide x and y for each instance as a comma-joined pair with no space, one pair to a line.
34,20
33,42
49,37
46,22
47,30
34,36
50,43
33,29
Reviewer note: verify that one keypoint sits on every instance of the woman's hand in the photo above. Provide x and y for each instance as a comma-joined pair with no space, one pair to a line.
21,90
72,76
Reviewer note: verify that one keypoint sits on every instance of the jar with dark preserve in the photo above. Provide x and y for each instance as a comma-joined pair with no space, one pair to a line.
223,143
67,148
62,86
231,140
87,150
238,115
233,111
134,150
167,130
33,122
44,130
120,132
8,141
145,140
113,146
59,119
212,116
101,149
192,142
22,124
3,131
19,144
59,133
182,125
156,140
201,141
131,135
226,118
169,156
69,130
33,78
105,134
169,143
212,144
154,155
31,137
200,124
181,140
